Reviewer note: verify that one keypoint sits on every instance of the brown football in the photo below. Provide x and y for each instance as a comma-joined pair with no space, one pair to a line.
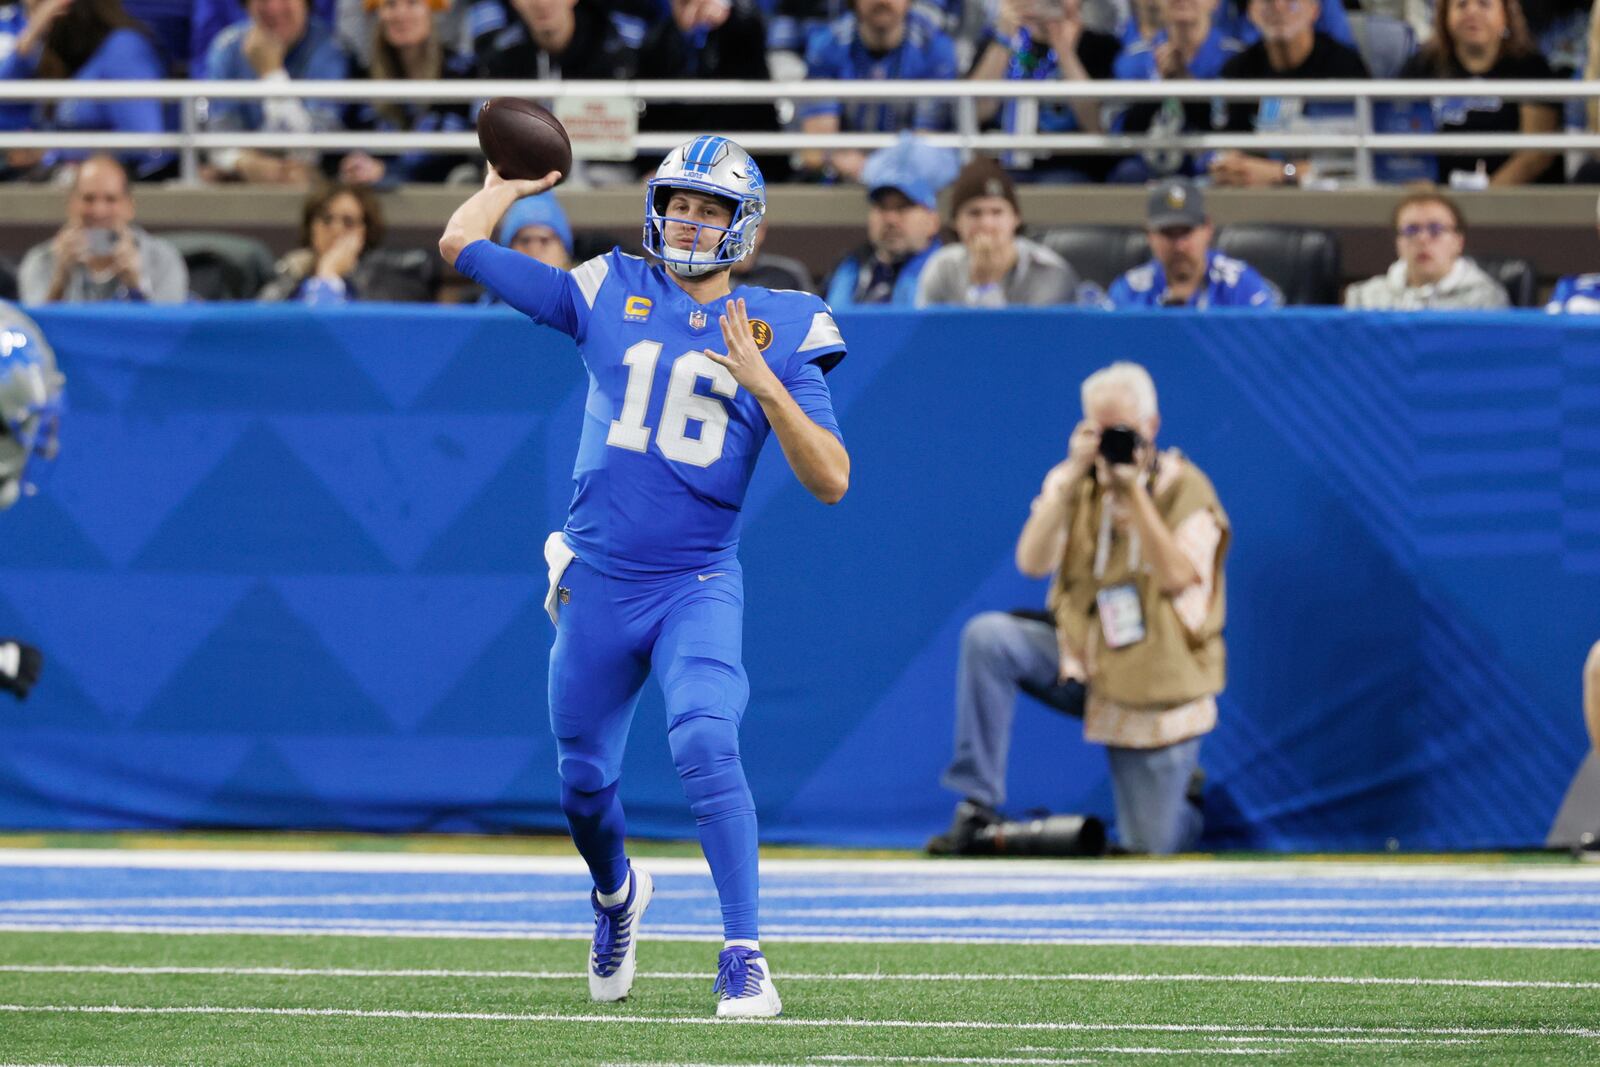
522,139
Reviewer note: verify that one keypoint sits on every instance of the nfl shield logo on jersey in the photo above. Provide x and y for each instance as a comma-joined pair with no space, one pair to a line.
697,319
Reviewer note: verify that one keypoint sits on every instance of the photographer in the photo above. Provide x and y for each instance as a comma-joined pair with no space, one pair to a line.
1136,539
100,254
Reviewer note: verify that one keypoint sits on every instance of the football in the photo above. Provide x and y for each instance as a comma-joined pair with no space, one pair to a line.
522,139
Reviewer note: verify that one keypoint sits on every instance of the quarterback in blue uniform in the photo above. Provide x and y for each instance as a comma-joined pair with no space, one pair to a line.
686,377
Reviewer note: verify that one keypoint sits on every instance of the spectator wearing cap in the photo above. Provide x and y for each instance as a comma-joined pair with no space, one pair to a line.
902,226
1431,274
1576,293
1184,270
881,39
992,265
276,42
537,227
1046,40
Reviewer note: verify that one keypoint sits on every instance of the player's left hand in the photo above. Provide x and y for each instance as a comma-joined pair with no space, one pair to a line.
744,358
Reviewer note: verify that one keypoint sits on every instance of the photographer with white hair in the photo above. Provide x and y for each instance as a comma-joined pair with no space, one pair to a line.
1136,540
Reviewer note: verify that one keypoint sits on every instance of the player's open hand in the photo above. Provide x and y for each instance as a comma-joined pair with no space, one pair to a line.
520,186
744,358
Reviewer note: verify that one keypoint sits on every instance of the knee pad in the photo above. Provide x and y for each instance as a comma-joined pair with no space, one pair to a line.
580,771
705,750
700,686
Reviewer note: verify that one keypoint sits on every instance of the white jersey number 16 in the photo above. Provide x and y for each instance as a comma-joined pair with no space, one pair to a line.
681,405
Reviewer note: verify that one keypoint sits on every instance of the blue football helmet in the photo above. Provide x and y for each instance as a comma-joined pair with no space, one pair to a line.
718,167
30,399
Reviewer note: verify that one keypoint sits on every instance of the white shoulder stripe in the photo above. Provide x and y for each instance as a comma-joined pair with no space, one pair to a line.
824,333
589,277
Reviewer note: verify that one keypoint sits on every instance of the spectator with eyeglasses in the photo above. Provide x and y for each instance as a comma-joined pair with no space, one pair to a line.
339,261
1431,273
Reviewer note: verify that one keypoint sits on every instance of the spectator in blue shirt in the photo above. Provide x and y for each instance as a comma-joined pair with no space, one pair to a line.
1234,20
1576,294
1186,44
883,39
86,40
1046,40
276,43
211,17
903,184
406,43
537,227
1185,271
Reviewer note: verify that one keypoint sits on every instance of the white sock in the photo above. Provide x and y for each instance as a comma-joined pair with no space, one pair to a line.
754,946
611,900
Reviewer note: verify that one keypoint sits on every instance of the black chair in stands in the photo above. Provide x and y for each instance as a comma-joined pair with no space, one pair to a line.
1100,254
1515,274
1302,261
223,266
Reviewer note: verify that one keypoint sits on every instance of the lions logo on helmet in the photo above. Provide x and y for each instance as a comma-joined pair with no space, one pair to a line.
714,166
30,399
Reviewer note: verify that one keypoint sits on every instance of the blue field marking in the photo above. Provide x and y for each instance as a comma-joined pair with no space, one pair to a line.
1040,902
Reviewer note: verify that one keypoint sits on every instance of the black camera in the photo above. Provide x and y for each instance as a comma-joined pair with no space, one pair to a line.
1119,444
1051,835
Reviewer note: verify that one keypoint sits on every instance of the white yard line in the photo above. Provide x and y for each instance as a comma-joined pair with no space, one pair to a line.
894,1024
1080,910
890,935
789,976
1198,872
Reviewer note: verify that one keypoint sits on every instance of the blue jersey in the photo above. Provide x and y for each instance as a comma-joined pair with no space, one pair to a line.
1137,60
670,440
1229,283
1576,294
925,52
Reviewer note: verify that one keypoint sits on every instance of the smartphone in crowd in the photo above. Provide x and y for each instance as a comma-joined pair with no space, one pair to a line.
100,241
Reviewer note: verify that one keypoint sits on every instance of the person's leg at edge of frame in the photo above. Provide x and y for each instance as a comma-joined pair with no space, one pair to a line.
595,679
998,651
1150,789
697,659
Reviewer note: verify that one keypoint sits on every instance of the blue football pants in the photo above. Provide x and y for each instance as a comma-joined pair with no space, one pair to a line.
688,632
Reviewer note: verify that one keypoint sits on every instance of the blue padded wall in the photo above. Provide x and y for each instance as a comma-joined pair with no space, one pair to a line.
287,572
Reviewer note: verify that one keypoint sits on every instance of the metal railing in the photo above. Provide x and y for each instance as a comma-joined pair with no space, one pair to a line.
191,139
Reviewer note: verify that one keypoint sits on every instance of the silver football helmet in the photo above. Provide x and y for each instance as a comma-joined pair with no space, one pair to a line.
717,167
30,399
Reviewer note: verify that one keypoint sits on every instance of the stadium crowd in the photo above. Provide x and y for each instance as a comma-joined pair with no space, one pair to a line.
981,254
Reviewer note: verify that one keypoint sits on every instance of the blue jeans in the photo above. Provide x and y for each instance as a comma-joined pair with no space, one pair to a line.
999,654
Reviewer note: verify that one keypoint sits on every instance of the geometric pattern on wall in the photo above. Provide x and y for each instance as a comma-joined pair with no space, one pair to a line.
287,572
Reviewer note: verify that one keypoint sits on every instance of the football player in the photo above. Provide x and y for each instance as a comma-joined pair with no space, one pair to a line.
686,377
30,403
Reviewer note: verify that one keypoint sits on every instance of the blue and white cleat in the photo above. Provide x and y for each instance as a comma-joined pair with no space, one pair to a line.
744,985
613,955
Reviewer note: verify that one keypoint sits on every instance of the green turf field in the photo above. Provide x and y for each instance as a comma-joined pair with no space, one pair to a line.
445,1001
